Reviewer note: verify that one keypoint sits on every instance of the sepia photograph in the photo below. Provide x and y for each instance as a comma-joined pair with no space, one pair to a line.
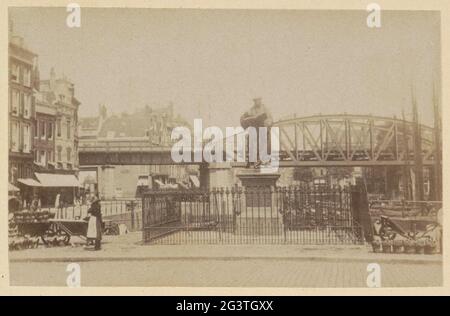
238,148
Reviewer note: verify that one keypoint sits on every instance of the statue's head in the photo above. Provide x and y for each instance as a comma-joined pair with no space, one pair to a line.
257,102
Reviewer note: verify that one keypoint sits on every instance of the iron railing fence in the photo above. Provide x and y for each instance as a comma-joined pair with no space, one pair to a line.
252,215
405,208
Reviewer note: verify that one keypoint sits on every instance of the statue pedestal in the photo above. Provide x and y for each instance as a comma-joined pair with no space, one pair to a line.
258,179
259,214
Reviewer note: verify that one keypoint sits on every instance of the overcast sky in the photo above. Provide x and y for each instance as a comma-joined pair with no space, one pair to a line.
211,63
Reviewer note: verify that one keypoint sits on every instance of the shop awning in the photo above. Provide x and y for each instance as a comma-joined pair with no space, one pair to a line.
12,188
184,186
29,182
195,181
142,182
50,180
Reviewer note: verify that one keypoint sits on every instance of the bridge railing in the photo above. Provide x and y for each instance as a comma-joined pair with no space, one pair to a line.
120,145
321,140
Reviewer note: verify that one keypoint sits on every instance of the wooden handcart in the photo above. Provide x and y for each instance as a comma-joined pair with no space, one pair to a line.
69,228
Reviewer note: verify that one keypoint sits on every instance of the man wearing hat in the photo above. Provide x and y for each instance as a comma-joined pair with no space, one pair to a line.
257,116
94,231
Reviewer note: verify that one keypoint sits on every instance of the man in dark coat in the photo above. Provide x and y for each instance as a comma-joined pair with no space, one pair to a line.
258,116
95,211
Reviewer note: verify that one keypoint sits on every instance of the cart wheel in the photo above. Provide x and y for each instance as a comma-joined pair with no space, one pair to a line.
67,240
45,242
62,241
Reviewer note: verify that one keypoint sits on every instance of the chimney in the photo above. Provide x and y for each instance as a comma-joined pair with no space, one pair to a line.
52,78
36,78
170,109
102,111
17,40
11,27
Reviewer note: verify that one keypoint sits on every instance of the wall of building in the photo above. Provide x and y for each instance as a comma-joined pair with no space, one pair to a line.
21,109
32,116
66,122
44,139
121,181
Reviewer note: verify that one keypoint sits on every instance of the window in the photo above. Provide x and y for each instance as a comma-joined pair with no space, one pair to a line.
50,130
15,73
26,138
21,71
59,153
42,159
21,103
58,128
27,77
69,154
15,102
36,130
49,156
68,129
27,106
42,129
14,136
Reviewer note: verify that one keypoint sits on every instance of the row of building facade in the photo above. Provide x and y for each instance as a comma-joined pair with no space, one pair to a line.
45,132
145,125
43,119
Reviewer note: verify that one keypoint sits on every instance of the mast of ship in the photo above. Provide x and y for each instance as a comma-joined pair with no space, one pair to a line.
437,174
406,157
418,159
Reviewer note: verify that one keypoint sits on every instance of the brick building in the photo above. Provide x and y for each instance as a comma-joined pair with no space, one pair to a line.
60,93
44,133
23,79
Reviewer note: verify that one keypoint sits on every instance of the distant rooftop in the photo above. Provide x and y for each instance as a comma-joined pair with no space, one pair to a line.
144,122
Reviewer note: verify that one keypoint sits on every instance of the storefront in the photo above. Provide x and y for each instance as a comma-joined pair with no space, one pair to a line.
47,186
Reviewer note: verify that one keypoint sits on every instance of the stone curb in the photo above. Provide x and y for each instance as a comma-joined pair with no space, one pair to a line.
392,260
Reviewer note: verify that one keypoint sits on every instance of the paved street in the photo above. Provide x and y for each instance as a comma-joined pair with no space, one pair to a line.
123,261
226,273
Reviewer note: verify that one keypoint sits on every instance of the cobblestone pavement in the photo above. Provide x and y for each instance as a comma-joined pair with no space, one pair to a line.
123,261
226,273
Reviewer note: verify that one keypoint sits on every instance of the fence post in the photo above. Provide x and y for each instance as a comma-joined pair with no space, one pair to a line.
132,214
360,210
143,218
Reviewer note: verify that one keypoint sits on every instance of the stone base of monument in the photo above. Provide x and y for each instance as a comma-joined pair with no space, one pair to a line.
259,221
259,215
